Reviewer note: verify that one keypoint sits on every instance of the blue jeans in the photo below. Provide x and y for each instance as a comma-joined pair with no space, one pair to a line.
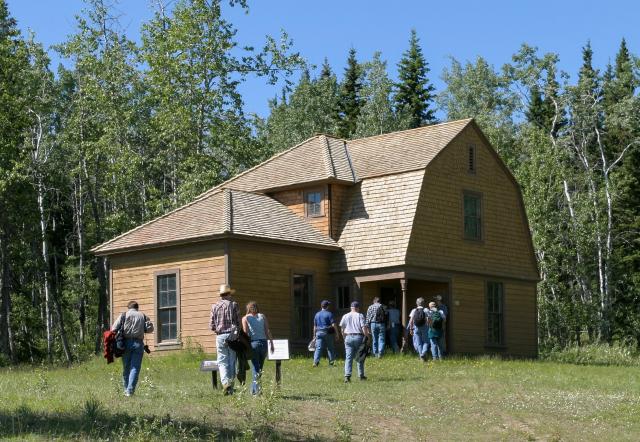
436,348
226,360
351,344
420,340
378,330
394,334
131,363
324,340
258,355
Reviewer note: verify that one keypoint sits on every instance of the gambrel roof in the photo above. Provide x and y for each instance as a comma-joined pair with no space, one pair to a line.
320,159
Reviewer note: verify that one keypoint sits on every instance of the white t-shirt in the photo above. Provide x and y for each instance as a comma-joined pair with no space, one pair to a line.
352,322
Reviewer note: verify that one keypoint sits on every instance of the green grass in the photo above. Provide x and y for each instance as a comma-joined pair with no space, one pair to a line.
456,399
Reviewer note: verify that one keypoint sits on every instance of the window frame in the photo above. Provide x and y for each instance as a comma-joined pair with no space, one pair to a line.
166,344
312,302
308,192
480,216
339,292
501,314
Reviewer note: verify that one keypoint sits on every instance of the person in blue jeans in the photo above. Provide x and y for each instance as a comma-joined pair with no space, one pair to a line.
436,323
377,323
418,328
325,331
134,325
256,326
354,330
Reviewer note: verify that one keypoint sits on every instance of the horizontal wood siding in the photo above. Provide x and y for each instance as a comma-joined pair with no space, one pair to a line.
468,312
294,200
201,269
262,272
437,236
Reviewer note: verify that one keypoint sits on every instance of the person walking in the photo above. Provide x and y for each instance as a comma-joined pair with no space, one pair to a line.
418,329
377,323
224,317
135,325
436,320
394,325
445,310
325,332
355,331
256,326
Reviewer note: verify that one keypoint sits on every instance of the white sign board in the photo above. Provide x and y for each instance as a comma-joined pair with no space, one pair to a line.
280,350
208,365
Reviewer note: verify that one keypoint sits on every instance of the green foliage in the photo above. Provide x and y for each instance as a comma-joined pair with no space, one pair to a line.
619,353
350,97
414,92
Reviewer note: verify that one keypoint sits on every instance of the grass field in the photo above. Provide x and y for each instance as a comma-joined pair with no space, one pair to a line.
456,399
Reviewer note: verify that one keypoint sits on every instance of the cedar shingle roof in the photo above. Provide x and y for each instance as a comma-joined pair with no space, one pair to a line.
377,228
321,158
224,213
402,151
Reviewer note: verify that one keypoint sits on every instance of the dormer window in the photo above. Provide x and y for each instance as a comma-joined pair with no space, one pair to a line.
313,203
471,159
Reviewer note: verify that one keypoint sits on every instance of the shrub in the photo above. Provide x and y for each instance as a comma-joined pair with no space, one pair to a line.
618,353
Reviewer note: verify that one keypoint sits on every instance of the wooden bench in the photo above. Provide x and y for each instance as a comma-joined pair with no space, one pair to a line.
211,366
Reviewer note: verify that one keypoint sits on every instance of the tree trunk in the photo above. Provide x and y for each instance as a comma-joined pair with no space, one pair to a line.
5,292
46,283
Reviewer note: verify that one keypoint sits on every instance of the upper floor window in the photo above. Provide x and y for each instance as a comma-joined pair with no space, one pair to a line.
313,203
472,216
167,302
495,313
471,159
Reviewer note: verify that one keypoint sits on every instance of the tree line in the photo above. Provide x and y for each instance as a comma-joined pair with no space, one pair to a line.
130,131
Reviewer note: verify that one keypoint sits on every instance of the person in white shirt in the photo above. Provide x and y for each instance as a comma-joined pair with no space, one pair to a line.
354,330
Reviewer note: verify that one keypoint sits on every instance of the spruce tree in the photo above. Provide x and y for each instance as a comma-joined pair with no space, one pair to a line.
350,101
414,92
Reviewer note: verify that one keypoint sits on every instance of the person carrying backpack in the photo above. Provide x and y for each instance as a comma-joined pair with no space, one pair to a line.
135,325
436,321
377,323
418,329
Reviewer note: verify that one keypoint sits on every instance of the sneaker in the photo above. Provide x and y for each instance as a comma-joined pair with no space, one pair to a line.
315,364
347,379
127,393
227,390
332,363
363,378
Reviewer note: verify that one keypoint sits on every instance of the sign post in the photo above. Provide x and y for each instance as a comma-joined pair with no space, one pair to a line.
280,353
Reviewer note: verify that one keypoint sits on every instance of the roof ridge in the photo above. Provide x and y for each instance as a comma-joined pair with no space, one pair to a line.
244,172
467,120
329,158
348,154
153,220
315,134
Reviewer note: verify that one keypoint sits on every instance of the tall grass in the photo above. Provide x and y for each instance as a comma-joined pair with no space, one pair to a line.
616,354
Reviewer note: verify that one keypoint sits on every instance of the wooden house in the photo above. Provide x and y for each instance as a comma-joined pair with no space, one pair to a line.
417,213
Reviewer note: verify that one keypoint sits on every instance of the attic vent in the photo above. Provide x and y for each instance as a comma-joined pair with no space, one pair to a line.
472,159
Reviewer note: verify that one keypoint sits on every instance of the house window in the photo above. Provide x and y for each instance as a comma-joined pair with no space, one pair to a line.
313,203
472,216
302,306
344,297
167,305
472,159
495,313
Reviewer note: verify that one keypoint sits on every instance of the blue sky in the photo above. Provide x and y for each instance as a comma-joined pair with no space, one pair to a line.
493,29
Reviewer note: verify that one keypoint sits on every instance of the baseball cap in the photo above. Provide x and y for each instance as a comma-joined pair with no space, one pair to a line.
325,303
355,304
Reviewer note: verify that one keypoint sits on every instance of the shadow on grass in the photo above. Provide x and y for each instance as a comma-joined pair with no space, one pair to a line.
102,424
309,396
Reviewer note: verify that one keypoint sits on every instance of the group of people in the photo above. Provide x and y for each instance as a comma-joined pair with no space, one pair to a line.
426,326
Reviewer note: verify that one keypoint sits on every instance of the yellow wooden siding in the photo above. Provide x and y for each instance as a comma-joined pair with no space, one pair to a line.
469,317
201,272
437,235
262,272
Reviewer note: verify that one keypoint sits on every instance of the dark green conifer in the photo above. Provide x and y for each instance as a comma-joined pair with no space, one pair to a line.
414,92
350,101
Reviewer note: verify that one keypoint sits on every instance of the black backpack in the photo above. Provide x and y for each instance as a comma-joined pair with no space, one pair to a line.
419,318
381,315
436,320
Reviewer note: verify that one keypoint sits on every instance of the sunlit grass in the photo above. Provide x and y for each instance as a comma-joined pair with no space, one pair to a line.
404,398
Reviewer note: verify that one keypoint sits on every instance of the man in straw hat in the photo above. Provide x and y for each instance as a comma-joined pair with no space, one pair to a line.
224,317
